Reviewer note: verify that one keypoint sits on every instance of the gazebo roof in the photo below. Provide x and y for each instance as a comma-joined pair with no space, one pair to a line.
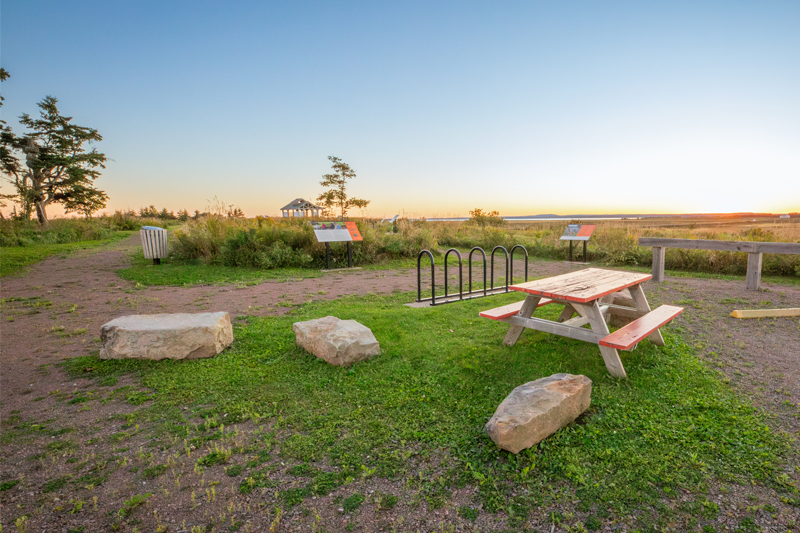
299,203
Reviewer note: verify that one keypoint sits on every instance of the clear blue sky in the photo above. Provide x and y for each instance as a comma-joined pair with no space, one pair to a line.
523,107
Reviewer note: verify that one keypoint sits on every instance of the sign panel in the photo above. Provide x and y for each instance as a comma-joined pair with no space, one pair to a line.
578,232
353,229
336,232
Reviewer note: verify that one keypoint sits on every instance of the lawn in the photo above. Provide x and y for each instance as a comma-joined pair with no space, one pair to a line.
416,413
14,259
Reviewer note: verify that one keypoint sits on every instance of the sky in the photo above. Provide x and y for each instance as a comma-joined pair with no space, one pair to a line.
440,107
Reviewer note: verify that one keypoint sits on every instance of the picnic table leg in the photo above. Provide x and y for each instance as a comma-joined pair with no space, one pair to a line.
640,300
566,313
598,324
526,312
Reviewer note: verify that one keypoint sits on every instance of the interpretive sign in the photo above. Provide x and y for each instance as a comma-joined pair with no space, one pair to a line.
578,232
331,232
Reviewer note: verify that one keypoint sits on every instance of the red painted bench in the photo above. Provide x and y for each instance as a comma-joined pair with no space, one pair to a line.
499,313
629,336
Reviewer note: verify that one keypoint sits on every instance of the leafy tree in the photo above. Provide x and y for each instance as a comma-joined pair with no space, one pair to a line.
183,215
60,169
148,212
9,164
337,197
490,218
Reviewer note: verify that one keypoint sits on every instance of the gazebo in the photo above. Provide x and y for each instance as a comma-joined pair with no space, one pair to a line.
300,208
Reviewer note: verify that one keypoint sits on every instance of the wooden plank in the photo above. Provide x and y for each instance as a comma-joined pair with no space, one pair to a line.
582,286
599,327
765,313
625,311
548,326
727,246
514,332
754,271
506,311
659,255
640,301
628,336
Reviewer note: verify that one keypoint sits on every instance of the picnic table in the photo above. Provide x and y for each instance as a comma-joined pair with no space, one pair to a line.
591,294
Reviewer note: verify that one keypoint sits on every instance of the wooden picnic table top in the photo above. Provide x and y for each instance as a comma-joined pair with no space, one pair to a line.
582,286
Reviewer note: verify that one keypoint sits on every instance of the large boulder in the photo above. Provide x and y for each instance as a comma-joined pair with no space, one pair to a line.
339,342
538,409
166,336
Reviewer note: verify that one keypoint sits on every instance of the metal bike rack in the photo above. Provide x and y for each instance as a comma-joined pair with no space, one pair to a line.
487,290
511,275
460,274
491,279
469,259
419,279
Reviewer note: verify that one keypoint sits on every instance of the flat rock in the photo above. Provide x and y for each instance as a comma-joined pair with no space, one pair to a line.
166,336
538,409
339,342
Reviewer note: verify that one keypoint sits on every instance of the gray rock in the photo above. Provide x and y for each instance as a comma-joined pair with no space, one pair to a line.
166,336
339,342
538,409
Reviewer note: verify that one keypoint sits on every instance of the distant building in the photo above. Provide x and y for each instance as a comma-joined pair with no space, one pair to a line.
784,216
301,208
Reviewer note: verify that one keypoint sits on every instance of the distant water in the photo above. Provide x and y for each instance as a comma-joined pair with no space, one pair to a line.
527,219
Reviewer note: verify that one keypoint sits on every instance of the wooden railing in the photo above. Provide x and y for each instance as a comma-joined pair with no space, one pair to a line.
754,252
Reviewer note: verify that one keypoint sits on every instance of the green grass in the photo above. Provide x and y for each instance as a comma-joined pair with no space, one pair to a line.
14,259
417,411
187,273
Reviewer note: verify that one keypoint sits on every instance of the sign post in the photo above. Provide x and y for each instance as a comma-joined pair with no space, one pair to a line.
578,232
329,232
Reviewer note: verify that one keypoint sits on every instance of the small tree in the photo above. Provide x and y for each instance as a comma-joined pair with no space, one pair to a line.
60,170
491,218
337,197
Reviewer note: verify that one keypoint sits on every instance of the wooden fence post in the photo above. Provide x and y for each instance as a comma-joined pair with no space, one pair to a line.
754,271
659,253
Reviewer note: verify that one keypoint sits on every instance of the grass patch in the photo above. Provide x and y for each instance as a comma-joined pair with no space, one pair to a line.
55,484
353,502
14,259
673,425
194,272
153,472
8,485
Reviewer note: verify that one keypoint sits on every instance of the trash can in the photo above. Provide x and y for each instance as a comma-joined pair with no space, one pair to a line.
154,243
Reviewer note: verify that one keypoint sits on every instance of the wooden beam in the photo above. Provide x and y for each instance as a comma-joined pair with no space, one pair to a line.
548,326
726,246
754,271
659,254
765,313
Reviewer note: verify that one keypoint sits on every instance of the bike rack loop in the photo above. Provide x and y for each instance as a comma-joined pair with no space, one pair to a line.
460,274
478,248
512,261
506,265
419,278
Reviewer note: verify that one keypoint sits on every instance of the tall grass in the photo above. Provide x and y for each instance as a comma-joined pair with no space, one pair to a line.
277,243
17,232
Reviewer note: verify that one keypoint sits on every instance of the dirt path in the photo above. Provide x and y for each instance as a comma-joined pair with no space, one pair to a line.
56,308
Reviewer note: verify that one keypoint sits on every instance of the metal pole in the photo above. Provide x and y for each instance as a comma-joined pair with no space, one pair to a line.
570,251
328,255
584,253
350,254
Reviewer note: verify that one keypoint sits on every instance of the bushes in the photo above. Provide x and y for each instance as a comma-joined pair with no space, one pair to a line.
274,243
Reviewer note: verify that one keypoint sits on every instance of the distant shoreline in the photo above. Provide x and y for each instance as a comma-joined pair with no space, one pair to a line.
550,217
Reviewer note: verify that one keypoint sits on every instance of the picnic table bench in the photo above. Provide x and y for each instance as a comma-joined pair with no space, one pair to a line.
589,293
